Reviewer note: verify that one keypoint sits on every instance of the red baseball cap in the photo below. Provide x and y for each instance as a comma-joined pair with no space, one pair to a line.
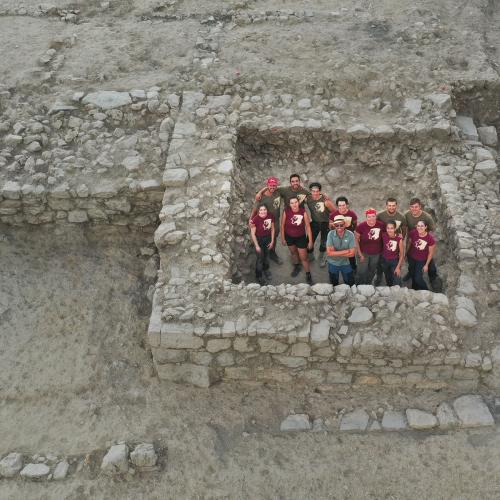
272,181
370,211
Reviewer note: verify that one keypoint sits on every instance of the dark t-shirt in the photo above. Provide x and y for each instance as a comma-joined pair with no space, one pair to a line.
318,209
411,221
263,226
287,193
272,203
398,217
351,219
419,246
294,222
370,237
391,246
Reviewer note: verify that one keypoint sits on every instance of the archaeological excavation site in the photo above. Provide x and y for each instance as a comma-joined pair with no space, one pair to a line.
142,354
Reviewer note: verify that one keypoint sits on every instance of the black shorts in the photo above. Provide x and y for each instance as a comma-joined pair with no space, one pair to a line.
298,241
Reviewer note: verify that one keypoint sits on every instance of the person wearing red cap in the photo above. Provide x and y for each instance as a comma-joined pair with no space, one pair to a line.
369,246
271,198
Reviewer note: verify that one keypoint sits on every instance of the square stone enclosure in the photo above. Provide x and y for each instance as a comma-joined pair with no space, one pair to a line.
366,170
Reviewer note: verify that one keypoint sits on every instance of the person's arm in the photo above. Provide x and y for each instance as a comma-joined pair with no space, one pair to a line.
258,195
432,250
431,223
253,232
252,215
397,271
358,247
282,232
272,236
328,203
309,233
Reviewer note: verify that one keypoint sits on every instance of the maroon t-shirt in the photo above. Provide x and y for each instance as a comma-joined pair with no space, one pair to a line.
294,222
263,226
371,237
419,246
350,218
391,246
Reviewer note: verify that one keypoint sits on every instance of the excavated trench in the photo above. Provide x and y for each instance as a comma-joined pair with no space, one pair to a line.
365,171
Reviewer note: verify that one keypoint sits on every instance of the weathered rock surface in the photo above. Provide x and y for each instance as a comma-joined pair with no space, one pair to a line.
297,422
116,460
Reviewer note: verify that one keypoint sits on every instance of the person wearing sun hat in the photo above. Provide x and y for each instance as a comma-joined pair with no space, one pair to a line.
369,246
340,246
271,198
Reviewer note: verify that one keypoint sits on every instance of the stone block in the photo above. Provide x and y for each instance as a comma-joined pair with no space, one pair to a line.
238,373
162,356
61,471
371,345
394,421
413,106
35,471
322,289
290,361
301,349
107,99
77,216
466,125
11,464
200,376
420,420
472,411
298,422
179,336
225,359
11,190
486,167
242,344
446,417
465,317
175,177
488,136
216,345
116,460
272,346
360,315
354,421
320,333
144,455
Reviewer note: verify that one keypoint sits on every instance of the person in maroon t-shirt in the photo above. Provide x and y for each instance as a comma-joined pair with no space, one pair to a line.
262,231
296,233
368,246
393,254
421,250
351,220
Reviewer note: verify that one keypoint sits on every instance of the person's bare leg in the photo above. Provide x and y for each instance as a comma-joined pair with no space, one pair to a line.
295,261
304,259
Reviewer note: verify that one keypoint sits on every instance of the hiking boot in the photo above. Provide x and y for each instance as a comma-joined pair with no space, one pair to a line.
322,259
268,275
378,280
296,270
437,285
311,256
309,279
261,281
274,257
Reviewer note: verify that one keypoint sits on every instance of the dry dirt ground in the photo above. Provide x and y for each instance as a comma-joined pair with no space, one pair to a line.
75,374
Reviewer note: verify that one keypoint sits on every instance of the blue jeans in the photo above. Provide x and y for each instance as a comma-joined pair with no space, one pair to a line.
416,270
346,271
388,267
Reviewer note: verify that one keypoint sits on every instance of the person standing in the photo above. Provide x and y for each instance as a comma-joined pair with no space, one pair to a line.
271,198
319,208
297,235
351,221
412,216
294,190
391,213
262,231
368,246
340,246
392,254
421,249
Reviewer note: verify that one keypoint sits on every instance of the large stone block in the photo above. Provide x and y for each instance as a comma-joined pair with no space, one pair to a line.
472,411
107,99
200,376
179,336
175,177
116,460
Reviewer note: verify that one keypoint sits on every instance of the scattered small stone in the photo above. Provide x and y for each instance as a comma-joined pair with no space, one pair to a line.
61,470
116,460
144,455
11,464
35,471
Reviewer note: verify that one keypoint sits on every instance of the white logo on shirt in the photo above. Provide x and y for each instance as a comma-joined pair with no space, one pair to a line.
320,207
347,221
398,223
267,224
276,203
392,245
420,244
301,197
297,219
374,233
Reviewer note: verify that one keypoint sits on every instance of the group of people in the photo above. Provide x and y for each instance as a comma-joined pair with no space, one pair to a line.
361,253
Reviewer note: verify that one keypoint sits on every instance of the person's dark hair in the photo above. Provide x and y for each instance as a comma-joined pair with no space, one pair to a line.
423,222
415,200
295,175
315,185
292,198
261,205
391,200
341,198
392,222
